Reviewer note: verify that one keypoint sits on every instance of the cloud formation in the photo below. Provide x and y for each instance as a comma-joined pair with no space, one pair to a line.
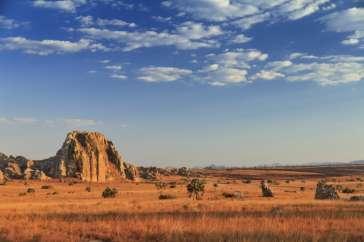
162,74
325,70
246,13
186,36
347,21
47,47
64,5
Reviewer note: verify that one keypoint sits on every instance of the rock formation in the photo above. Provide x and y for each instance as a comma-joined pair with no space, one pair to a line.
88,156
325,191
266,191
2,178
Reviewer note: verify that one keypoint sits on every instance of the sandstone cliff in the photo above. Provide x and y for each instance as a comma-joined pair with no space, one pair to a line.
89,156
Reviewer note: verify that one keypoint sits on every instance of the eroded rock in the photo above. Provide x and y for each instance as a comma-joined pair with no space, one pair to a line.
266,191
326,191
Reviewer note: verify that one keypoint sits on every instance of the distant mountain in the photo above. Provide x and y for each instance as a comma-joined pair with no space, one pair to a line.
357,162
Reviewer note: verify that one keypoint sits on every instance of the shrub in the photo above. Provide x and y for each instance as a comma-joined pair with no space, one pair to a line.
22,194
216,185
166,196
247,181
160,185
31,190
46,187
234,195
357,198
88,189
302,189
196,188
348,190
172,184
109,192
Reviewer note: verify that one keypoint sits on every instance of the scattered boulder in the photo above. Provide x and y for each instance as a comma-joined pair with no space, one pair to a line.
2,178
13,170
266,191
131,172
325,191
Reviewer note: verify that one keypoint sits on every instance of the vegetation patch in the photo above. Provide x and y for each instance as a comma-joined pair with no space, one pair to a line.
109,192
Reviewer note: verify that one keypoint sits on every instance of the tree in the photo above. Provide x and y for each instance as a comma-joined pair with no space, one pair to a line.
196,188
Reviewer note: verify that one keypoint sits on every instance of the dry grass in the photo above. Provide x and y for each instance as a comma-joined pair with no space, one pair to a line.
137,214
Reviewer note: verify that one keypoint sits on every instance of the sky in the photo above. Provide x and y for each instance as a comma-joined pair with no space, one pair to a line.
185,82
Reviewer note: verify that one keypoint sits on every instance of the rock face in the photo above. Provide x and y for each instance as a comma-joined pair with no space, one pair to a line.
266,191
325,191
2,178
90,157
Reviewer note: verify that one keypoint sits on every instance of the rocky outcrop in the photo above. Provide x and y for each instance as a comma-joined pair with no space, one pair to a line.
325,191
2,178
89,156
266,191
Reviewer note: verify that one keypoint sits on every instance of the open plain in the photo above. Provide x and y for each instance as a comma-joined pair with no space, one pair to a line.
74,211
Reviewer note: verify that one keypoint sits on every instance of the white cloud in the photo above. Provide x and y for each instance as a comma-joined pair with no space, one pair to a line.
189,35
347,21
193,30
64,5
7,23
246,13
230,67
118,76
105,61
267,75
18,120
162,74
87,21
114,67
241,39
77,122
47,47
325,70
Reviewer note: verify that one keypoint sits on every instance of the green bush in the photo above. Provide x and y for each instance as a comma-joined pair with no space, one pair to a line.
160,185
233,195
109,192
31,190
46,187
196,188
166,196
348,190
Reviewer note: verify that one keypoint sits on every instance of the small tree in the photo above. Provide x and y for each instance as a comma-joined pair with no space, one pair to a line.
196,188
160,185
109,192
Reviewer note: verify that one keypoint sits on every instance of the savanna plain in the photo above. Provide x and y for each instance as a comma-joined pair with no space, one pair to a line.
231,209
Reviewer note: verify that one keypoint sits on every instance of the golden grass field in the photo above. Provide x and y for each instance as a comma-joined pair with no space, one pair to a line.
70,213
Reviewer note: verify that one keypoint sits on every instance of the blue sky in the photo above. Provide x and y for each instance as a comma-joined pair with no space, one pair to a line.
185,82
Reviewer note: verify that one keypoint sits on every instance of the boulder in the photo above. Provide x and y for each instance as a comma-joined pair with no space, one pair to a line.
13,170
326,191
131,172
2,178
266,191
